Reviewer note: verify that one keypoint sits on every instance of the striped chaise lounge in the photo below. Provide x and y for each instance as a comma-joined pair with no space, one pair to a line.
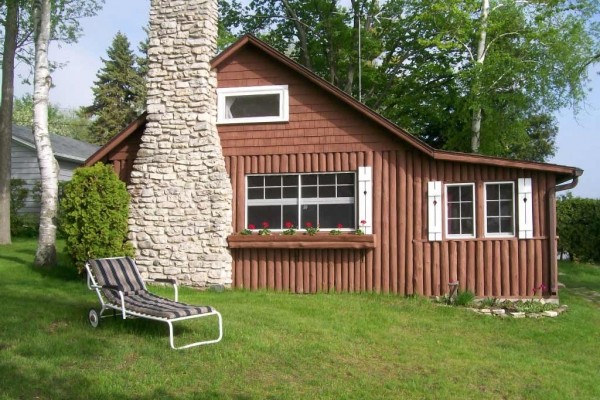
120,287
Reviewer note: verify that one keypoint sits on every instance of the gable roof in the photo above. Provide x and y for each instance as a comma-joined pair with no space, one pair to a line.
116,140
563,172
65,148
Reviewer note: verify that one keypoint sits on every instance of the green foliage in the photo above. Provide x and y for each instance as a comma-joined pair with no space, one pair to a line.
488,302
530,306
461,299
464,299
21,224
93,215
142,70
64,20
60,122
117,92
578,227
18,195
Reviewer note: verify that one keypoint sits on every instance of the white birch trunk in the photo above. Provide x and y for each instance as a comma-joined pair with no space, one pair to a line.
46,251
476,119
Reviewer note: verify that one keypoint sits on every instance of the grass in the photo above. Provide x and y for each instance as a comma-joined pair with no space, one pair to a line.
284,346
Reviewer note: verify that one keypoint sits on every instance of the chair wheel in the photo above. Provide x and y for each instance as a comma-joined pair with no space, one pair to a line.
94,318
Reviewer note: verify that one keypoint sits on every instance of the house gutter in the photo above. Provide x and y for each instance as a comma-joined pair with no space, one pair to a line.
553,242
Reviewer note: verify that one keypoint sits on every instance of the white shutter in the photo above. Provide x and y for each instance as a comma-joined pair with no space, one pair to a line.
365,199
434,208
525,209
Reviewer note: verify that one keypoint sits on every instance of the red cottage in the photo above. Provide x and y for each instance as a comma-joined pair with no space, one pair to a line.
299,150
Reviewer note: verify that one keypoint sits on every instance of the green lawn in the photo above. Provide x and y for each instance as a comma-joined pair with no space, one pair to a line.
284,346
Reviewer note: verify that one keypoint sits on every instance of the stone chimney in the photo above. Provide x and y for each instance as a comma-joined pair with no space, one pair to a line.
181,206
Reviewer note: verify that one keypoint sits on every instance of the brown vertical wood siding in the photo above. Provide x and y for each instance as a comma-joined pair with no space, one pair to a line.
404,261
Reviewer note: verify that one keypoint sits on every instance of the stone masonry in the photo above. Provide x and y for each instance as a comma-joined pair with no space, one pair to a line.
181,194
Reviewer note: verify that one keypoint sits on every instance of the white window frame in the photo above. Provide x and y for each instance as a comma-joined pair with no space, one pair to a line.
485,216
299,201
224,93
446,218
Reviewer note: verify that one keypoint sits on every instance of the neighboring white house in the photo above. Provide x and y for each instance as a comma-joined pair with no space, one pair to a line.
70,154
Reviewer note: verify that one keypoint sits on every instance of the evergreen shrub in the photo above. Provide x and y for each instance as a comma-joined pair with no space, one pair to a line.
93,215
578,228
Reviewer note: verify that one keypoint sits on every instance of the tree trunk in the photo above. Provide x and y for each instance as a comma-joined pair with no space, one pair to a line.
300,27
356,35
477,112
11,29
46,251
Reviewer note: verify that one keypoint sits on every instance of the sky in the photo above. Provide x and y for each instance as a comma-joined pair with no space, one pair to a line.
578,139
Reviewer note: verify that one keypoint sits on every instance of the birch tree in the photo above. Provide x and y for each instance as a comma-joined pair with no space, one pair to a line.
479,75
46,252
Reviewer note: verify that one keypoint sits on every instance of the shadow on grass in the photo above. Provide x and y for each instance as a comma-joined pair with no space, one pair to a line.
17,260
41,383
22,253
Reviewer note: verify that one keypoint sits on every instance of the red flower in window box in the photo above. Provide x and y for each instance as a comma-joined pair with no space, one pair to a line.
361,231
265,229
247,231
337,231
310,229
290,228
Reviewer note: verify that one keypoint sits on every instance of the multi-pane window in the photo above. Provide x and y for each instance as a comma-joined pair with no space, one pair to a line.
499,209
252,104
460,210
325,200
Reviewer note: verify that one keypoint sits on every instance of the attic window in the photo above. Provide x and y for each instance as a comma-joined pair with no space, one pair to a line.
253,104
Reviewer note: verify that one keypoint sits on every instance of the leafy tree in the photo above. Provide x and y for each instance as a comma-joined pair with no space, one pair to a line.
491,69
116,92
65,123
320,34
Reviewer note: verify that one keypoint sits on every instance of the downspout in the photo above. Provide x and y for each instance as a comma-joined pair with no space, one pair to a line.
553,246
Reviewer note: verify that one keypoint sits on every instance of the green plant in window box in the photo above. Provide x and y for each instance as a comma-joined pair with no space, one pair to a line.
310,229
335,232
248,230
290,230
265,229
361,230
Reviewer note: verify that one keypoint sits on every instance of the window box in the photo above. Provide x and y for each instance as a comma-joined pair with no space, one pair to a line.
320,241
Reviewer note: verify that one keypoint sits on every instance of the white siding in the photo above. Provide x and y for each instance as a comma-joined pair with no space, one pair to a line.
24,165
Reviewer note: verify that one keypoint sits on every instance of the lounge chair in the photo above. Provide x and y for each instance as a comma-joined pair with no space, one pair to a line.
120,287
